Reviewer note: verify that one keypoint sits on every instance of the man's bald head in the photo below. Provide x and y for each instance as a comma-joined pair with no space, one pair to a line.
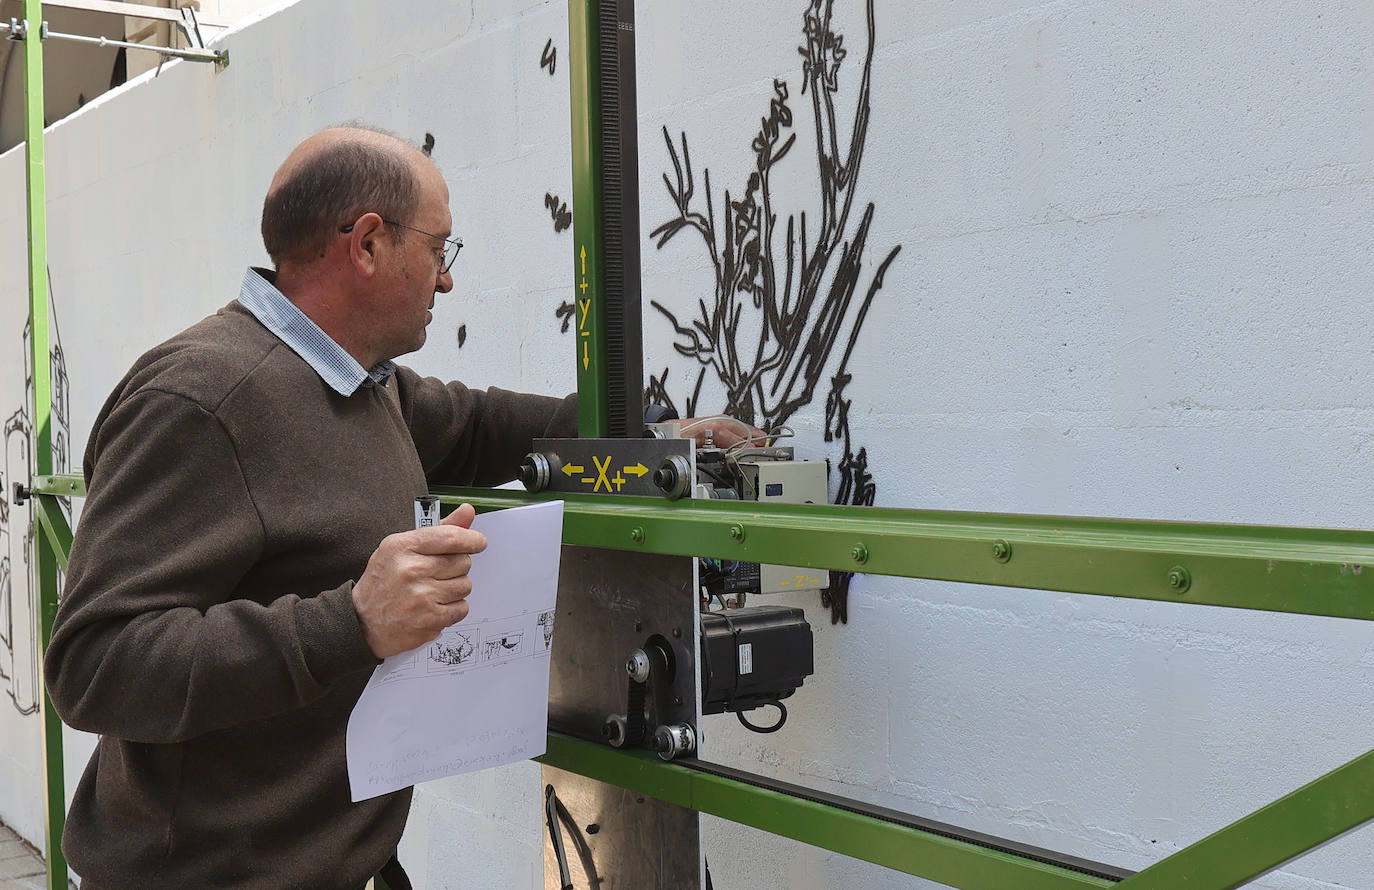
331,179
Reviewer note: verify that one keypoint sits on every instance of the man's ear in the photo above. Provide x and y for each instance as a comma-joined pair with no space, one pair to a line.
364,243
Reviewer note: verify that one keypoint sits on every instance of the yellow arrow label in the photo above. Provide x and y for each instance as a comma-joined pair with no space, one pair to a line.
636,470
569,469
586,307
586,355
584,259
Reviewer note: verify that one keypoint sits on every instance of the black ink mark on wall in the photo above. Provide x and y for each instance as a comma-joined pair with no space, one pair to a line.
549,57
428,146
562,221
462,335
562,216
565,312
801,303
18,581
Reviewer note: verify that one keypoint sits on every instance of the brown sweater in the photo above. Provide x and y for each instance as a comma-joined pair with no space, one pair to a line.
207,630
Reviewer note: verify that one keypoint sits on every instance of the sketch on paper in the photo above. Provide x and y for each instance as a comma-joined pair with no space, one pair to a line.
19,653
788,303
453,648
546,625
502,644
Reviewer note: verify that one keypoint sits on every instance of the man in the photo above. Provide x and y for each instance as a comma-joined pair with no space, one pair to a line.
246,552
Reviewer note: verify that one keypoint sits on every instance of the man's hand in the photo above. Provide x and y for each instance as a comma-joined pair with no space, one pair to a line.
416,584
722,431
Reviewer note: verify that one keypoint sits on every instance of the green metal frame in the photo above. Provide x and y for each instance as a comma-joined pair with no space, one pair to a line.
593,398
48,547
1302,571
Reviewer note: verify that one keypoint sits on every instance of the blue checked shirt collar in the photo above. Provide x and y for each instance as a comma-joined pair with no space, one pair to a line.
280,316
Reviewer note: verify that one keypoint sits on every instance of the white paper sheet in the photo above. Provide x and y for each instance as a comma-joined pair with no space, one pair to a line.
476,697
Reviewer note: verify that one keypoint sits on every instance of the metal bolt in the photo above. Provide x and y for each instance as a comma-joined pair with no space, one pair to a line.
859,554
21,494
1001,551
677,633
737,533
637,666
637,535
639,625
1180,579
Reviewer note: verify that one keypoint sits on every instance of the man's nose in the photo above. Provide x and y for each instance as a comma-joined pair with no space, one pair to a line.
444,283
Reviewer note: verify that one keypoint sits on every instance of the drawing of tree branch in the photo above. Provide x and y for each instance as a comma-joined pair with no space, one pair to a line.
769,329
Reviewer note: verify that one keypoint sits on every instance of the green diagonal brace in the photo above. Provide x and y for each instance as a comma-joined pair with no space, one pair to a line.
1339,801
910,850
1304,571
55,529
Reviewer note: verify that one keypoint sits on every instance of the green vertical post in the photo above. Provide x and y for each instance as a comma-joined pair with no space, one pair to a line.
55,796
588,271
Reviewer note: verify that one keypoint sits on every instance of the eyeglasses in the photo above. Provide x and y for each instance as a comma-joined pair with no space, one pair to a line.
446,255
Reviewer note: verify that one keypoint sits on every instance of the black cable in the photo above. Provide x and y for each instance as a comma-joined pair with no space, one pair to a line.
556,837
782,718
554,813
584,851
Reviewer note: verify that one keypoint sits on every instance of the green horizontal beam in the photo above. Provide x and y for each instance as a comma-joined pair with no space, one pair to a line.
1339,801
61,484
910,850
1299,570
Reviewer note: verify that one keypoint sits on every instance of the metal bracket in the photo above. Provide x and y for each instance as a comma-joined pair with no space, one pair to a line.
18,29
190,28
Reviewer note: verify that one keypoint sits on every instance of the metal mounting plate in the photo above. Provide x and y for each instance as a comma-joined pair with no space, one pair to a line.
608,466
610,603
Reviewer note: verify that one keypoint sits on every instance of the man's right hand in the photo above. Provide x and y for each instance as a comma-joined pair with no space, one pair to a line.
416,584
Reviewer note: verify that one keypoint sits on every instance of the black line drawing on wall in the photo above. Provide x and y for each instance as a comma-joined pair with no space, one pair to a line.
18,580
558,209
565,312
549,57
462,335
428,146
769,332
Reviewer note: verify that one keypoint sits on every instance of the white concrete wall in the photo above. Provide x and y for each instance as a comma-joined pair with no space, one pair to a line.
1131,282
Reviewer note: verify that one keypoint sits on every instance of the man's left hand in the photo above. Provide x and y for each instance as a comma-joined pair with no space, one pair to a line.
722,431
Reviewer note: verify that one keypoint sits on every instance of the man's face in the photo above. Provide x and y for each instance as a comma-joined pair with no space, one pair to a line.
415,276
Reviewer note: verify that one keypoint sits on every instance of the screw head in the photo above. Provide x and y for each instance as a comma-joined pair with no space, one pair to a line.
637,535
1001,551
737,533
1180,579
859,554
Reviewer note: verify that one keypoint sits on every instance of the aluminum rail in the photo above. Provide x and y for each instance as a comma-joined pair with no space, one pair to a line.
135,11
219,57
